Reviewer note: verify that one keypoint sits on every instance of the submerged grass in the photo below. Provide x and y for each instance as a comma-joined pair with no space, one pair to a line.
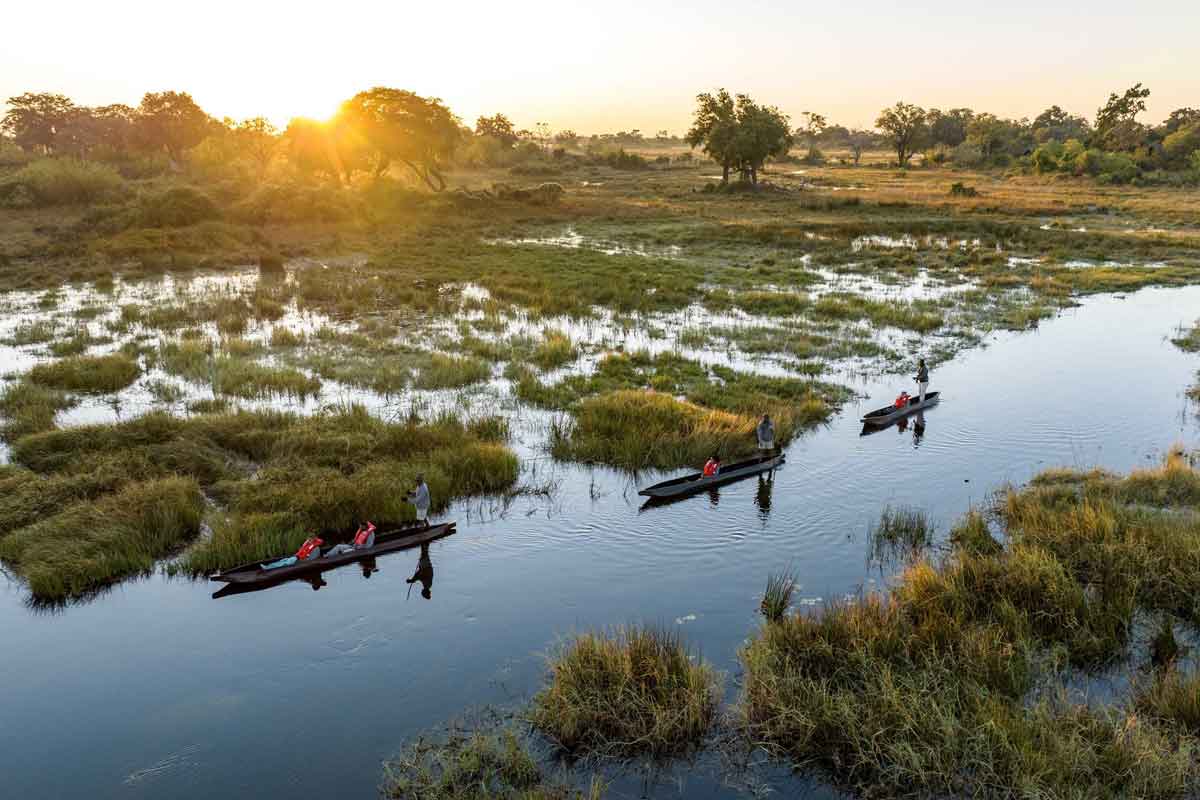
630,692
480,762
27,407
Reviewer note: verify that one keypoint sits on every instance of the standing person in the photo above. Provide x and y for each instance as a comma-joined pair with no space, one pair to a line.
420,499
922,379
766,434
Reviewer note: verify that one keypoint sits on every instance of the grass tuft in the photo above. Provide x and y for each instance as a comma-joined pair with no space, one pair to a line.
87,374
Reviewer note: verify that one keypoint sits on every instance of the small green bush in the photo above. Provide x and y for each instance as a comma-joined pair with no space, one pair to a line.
177,207
63,181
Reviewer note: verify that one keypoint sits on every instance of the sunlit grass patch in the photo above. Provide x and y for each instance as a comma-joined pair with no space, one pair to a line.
87,374
452,372
250,379
633,691
1173,697
554,350
636,430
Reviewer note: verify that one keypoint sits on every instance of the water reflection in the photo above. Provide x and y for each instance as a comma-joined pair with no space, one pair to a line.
918,427
424,574
762,497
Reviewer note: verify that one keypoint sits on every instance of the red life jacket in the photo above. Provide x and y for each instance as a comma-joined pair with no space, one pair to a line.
711,467
363,534
902,401
307,548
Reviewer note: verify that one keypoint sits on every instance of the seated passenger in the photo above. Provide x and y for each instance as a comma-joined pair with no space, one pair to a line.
712,467
308,551
363,538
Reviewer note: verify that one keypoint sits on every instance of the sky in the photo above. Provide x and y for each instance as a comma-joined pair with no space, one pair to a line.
613,65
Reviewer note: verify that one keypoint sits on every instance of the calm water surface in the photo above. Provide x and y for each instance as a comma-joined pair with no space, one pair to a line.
157,690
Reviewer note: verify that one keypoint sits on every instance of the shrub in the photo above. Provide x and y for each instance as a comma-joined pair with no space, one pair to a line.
176,207
64,181
962,190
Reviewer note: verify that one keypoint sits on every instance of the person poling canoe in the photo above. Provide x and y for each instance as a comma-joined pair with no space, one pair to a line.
766,433
711,467
310,550
420,499
364,538
922,379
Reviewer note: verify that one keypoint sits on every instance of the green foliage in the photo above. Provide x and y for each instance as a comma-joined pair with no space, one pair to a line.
175,207
399,126
904,124
61,181
738,134
27,408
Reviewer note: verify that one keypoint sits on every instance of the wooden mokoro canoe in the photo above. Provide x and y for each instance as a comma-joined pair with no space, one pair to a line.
253,573
696,482
887,414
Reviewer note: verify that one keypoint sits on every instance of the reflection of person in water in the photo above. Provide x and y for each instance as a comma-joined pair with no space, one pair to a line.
424,573
369,566
918,429
762,498
315,581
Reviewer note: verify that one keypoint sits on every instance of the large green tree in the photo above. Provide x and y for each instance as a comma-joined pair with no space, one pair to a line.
35,120
399,126
948,127
258,140
1056,125
738,134
904,125
171,121
1117,127
497,126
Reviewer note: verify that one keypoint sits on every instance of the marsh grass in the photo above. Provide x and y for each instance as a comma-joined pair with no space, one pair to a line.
93,543
902,532
452,372
87,374
241,377
28,407
554,350
926,690
492,761
34,332
1188,338
77,343
636,430
778,596
629,692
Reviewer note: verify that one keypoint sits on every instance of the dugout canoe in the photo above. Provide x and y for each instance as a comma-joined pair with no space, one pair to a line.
401,539
696,482
889,414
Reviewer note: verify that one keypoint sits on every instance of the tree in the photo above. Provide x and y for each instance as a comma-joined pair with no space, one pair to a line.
949,127
904,124
858,140
542,133
397,125
34,120
738,134
1117,127
714,129
498,127
171,121
1179,118
996,137
258,139
1056,125
811,127
566,136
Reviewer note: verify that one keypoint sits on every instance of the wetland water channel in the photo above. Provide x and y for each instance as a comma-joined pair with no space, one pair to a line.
157,690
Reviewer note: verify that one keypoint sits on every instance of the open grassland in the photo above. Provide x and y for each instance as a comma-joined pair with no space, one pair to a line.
950,683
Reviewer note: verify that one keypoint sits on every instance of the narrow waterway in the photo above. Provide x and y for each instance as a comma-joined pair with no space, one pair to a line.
157,690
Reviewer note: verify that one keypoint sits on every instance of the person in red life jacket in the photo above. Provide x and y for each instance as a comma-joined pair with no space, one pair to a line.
712,467
308,551
902,400
364,538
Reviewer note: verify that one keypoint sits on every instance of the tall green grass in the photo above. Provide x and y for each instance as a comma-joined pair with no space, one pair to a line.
27,407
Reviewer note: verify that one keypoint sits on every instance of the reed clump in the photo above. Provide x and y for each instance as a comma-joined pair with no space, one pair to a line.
554,350
778,596
901,531
629,692
87,374
27,407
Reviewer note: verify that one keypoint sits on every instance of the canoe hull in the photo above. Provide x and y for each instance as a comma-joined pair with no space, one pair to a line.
696,482
253,574
889,414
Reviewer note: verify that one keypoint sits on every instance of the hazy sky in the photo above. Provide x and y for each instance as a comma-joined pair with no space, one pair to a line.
613,64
